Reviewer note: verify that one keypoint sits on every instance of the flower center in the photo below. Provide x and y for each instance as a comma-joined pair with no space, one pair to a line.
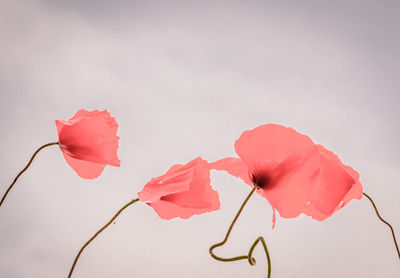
260,179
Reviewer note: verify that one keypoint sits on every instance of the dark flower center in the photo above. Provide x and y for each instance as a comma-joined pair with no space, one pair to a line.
260,179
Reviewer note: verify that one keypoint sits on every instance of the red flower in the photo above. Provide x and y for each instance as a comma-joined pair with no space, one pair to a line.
183,191
292,173
88,142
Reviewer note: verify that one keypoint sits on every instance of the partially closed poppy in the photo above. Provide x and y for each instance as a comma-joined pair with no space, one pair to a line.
183,191
89,142
294,174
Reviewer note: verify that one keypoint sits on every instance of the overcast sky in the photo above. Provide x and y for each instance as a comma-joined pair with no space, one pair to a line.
183,79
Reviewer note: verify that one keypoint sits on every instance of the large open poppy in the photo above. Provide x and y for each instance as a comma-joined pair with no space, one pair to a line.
293,173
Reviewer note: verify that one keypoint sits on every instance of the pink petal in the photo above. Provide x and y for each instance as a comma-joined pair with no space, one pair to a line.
171,182
287,195
234,166
271,145
273,217
346,185
356,192
167,210
174,168
330,184
310,210
85,169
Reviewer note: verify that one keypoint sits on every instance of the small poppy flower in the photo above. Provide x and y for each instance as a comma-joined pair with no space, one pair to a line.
183,191
294,174
88,142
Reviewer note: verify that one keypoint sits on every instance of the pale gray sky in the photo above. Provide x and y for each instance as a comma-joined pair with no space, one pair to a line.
185,78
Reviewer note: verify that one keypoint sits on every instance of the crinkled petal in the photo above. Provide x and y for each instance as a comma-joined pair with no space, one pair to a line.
356,192
271,145
234,166
286,194
310,210
201,194
167,210
273,218
169,183
84,169
330,184
336,185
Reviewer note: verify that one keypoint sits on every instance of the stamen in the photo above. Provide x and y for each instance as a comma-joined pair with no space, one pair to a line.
260,178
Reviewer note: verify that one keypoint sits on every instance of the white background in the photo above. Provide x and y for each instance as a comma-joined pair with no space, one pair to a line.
185,79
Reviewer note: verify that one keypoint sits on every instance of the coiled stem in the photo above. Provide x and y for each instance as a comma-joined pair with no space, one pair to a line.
249,256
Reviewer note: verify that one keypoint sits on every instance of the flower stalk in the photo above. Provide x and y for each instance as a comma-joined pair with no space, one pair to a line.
97,233
387,223
26,168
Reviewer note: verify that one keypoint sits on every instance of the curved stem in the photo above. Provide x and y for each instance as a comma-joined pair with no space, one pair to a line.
96,234
252,261
23,170
248,257
390,226
229,232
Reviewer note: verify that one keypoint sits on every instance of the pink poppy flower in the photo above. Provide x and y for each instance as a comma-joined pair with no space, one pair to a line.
88,142
294,174
183,191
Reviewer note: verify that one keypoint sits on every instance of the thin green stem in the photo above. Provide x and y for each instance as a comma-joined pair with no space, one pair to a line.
229,232
252,261
96,234
26,167
248,257
390,226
